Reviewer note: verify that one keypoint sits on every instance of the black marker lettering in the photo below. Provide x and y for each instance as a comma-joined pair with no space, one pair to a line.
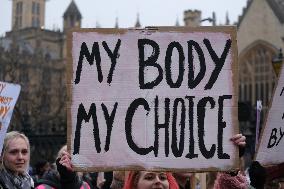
128,125
113,56
168,61
82,115
84,52
109,121
200,120
219,62
192,83
151,61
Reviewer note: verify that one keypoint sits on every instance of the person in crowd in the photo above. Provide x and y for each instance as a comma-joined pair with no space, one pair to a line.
88,178
144,179
15,161
184,180
67,178
149,180
104,180
231,180
41,167
49,180
118,180
234,179
257,175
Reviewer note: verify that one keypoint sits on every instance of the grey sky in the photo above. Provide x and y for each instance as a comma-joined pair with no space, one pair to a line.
152,12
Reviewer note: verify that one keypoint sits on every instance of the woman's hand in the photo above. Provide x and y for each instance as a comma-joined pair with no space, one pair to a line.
239,140
65,160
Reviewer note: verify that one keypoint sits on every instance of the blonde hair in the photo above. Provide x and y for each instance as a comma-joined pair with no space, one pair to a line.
8,138
60,152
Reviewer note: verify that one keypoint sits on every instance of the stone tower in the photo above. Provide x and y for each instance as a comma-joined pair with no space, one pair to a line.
28,13
192,18
137,24
72,17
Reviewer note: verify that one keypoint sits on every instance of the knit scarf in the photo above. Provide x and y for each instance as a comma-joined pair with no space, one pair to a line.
16,181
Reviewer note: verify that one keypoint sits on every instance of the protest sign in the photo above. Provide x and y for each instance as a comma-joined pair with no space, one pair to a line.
8,97
156,98
270,150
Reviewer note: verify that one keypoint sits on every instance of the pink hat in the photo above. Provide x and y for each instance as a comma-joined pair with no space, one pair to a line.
226,181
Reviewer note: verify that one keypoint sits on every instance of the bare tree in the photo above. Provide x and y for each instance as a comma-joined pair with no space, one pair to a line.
40,110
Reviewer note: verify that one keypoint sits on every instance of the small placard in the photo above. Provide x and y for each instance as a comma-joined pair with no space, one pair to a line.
270,150
8,97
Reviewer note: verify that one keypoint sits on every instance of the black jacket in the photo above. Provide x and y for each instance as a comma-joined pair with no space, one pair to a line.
50,178
68,179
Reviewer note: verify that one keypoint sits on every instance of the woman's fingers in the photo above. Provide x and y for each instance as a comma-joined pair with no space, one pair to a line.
237,136
239,140
65,160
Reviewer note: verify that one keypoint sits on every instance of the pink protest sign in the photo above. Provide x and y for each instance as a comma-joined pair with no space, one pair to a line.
156,99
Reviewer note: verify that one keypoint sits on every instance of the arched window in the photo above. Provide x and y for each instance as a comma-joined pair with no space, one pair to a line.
256,73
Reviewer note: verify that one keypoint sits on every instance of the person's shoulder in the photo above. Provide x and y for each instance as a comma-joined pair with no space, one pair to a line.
1,182
1,185
251,187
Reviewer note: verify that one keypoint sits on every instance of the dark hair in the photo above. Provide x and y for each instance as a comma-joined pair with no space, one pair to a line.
257,175
39,165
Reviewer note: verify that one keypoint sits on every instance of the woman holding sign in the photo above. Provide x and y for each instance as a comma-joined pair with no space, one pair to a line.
148,180
15,160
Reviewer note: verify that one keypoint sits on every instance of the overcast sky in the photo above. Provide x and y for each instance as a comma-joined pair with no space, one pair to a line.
152,12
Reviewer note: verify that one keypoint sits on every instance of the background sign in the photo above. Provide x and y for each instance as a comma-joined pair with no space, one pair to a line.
271,149
157,99
8,97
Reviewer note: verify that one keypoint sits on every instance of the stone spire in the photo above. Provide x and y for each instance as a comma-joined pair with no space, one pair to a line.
214,19
227,18
137,24
72,17
116,23
177,22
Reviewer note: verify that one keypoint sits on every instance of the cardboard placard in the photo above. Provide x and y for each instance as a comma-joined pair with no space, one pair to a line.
270,150
8,97
157,98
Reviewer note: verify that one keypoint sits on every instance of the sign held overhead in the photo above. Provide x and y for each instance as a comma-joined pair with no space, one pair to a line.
163,99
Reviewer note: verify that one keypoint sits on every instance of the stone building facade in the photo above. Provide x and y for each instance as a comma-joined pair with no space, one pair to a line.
260,36
34,57
28,13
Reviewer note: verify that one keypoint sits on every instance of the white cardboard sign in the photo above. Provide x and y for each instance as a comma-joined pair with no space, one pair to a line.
8,97
270,150
155,99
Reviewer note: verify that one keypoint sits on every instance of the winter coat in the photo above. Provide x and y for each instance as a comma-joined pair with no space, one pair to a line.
49,180
70,180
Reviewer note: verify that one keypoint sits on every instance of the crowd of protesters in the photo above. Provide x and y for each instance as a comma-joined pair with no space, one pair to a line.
15,159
